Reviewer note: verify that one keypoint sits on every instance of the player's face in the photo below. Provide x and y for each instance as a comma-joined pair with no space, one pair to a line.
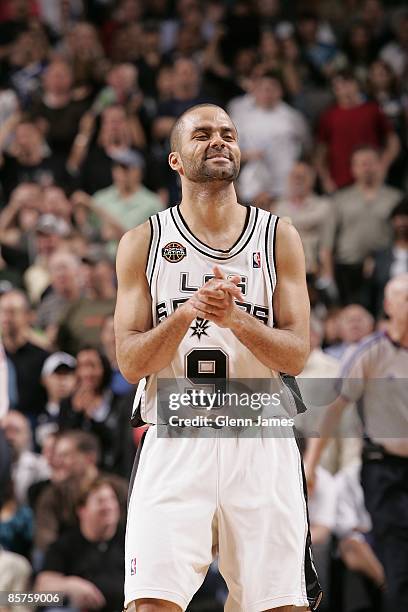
209,147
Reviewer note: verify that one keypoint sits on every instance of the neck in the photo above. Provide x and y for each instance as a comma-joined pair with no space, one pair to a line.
350,102
127,190
212,212
71,293
401,243
398,332
199,199
14,340
370,187
186,93
298,199
94,532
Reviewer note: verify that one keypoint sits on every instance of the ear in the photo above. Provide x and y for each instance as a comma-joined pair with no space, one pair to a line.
175,162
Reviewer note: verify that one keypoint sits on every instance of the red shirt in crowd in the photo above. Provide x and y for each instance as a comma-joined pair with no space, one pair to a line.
344,129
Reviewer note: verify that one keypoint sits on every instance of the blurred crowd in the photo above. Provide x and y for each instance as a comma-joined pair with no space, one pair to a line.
89,92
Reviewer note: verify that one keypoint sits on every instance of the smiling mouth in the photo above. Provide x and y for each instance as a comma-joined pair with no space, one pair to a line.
223,157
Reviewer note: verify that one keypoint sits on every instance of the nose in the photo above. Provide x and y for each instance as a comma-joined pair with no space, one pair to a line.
217,141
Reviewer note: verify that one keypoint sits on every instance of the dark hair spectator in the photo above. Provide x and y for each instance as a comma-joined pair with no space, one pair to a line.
94,407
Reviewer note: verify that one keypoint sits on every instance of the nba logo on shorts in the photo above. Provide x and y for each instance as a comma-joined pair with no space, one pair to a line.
133,566
256,260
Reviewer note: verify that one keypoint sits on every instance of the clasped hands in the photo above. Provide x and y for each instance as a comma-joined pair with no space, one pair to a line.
214,301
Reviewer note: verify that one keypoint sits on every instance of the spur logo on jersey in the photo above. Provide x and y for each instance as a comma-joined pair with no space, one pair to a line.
173,252
256,259
133,566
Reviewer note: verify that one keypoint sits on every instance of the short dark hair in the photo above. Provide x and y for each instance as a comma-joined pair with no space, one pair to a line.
346,74
84,442
177,127
88,489
106,366
401,209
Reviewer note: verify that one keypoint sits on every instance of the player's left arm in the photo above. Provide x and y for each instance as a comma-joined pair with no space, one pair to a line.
285,347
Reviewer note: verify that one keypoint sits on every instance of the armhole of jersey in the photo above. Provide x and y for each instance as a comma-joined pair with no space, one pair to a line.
270,250
155,229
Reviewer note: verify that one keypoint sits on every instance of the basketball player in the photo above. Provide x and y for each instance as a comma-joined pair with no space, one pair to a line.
368,378
211,283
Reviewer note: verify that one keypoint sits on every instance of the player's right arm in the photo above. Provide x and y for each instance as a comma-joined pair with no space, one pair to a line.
142,350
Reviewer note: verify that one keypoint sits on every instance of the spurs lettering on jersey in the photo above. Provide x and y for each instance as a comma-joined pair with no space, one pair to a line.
179,264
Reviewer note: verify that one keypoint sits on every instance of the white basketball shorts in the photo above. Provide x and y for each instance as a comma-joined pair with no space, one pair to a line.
242,498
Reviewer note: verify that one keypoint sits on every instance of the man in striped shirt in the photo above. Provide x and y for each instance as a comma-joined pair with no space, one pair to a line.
375,378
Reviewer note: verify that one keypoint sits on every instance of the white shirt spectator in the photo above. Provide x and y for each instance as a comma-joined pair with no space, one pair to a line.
281,134
352,518
322,503
26,470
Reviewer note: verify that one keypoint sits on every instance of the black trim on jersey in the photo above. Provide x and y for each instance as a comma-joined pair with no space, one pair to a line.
313,589
267,251
209,254
184,222
157,249
150,244
270,249
274,247
135,466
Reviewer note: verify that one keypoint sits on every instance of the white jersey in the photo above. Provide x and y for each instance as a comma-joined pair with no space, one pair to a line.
178,264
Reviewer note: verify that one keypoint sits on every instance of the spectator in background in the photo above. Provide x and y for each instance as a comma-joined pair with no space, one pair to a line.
307,211
15,575
350,123
272,137
384,87
358,224
50,232
353,527
316,388
65,289
55,202
125,204
118,384
390,262
186,92
83,50
74,468
26,62
93,407
86,563
16,524
82,322
27,467
4,395
26,356
29,159
360,50
92,162
354,324
17,230
395,52
58,378
57,112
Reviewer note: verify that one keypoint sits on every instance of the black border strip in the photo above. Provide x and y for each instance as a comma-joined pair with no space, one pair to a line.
209,254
